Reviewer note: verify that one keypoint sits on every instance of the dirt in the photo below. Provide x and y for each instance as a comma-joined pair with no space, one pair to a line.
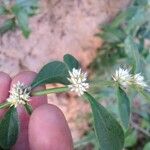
61,26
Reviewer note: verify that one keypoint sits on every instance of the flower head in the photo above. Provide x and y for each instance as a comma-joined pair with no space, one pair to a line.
123,77
138,80
78,81
19,94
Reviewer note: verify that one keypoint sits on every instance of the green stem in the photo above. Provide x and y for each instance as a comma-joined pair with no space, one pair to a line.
4,105
144,93
140,129
48,91
28,108
101,83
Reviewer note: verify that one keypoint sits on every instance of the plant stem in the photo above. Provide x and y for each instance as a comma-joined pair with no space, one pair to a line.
101,83
4,105
28,108
48,91
134,125
145,94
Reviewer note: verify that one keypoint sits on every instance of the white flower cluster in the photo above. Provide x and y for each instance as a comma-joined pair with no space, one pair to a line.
125,79
78,81
19,94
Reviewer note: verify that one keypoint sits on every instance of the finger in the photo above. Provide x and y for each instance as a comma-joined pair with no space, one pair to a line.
48,129
5,81
26,78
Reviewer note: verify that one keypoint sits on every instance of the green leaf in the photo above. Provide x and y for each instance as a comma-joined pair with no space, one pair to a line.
3,10
109,133
131,139
9,128
90,138
27,3
123,16
144,31
30,6
141,2
147,146
144,93
71,62
123,106
132,52
7,25
53,72
112,35
22,19
137,20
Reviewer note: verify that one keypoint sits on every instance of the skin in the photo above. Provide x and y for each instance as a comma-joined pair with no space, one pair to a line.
46,128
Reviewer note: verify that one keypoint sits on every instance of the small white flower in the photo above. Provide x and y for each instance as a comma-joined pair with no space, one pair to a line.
123,77
78,81
19,94
138,80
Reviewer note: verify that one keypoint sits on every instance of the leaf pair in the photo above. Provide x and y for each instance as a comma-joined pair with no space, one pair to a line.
56,72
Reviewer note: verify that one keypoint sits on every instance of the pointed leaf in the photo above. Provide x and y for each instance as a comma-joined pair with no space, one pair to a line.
71,62
112,35
137,20
132,52
123,16
123,106
22,19
109,133
147,146
9,128
9,24
28,5
53,72
131,139
3,10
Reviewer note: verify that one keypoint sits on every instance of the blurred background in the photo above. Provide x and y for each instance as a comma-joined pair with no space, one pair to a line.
96,32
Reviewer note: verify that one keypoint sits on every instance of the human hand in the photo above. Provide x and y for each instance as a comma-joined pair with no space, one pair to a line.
46,128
